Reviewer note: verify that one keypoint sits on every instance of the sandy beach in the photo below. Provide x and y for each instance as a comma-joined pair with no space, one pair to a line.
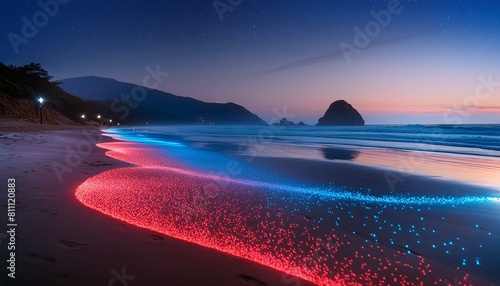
59,241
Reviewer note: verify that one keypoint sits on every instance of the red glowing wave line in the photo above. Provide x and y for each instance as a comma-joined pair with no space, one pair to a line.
324,193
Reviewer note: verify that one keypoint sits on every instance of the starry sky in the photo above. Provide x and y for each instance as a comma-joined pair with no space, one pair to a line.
397,62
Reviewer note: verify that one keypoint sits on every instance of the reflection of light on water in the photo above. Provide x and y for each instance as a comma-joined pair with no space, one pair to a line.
329,236
482,171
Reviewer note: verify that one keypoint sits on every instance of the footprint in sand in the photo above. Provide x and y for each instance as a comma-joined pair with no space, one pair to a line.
33,257
251,281
72,245
155,238
47,212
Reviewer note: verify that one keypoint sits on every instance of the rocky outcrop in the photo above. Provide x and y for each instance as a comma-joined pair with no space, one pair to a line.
341,113
285,122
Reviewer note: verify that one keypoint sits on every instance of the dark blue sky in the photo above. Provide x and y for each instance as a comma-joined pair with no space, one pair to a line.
272,54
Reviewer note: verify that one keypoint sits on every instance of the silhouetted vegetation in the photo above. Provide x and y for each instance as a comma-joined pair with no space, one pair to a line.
13,85
32,81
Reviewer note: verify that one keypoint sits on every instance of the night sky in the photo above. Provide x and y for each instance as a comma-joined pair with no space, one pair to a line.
423,65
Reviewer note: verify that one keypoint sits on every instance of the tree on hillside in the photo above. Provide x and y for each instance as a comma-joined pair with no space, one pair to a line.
36,76
34,69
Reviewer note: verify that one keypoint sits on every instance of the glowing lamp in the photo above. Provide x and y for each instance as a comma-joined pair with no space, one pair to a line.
41,100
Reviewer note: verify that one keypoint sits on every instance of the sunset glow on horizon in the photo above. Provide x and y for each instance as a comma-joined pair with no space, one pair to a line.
397,62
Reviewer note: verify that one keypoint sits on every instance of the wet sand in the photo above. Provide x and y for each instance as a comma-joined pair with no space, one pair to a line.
59,241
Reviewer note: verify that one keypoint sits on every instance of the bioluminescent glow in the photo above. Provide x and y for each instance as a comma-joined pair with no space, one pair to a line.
133,155
234,219
328,236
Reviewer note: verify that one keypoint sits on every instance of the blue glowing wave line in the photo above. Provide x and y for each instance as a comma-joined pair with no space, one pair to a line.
323,193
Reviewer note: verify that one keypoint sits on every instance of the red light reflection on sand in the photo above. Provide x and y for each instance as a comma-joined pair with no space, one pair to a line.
233,218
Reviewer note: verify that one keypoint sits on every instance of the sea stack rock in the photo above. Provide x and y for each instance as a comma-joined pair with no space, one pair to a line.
285,122
341,113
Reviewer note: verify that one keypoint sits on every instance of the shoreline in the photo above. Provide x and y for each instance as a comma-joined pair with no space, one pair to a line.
148,162
60,241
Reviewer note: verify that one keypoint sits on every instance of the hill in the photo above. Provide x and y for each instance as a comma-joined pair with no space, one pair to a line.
132,104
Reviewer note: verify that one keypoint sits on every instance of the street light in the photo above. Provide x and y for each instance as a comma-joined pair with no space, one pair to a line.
83,116
99,117
40,101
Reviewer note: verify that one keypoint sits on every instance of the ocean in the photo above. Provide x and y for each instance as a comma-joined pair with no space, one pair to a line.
465,153
317,203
